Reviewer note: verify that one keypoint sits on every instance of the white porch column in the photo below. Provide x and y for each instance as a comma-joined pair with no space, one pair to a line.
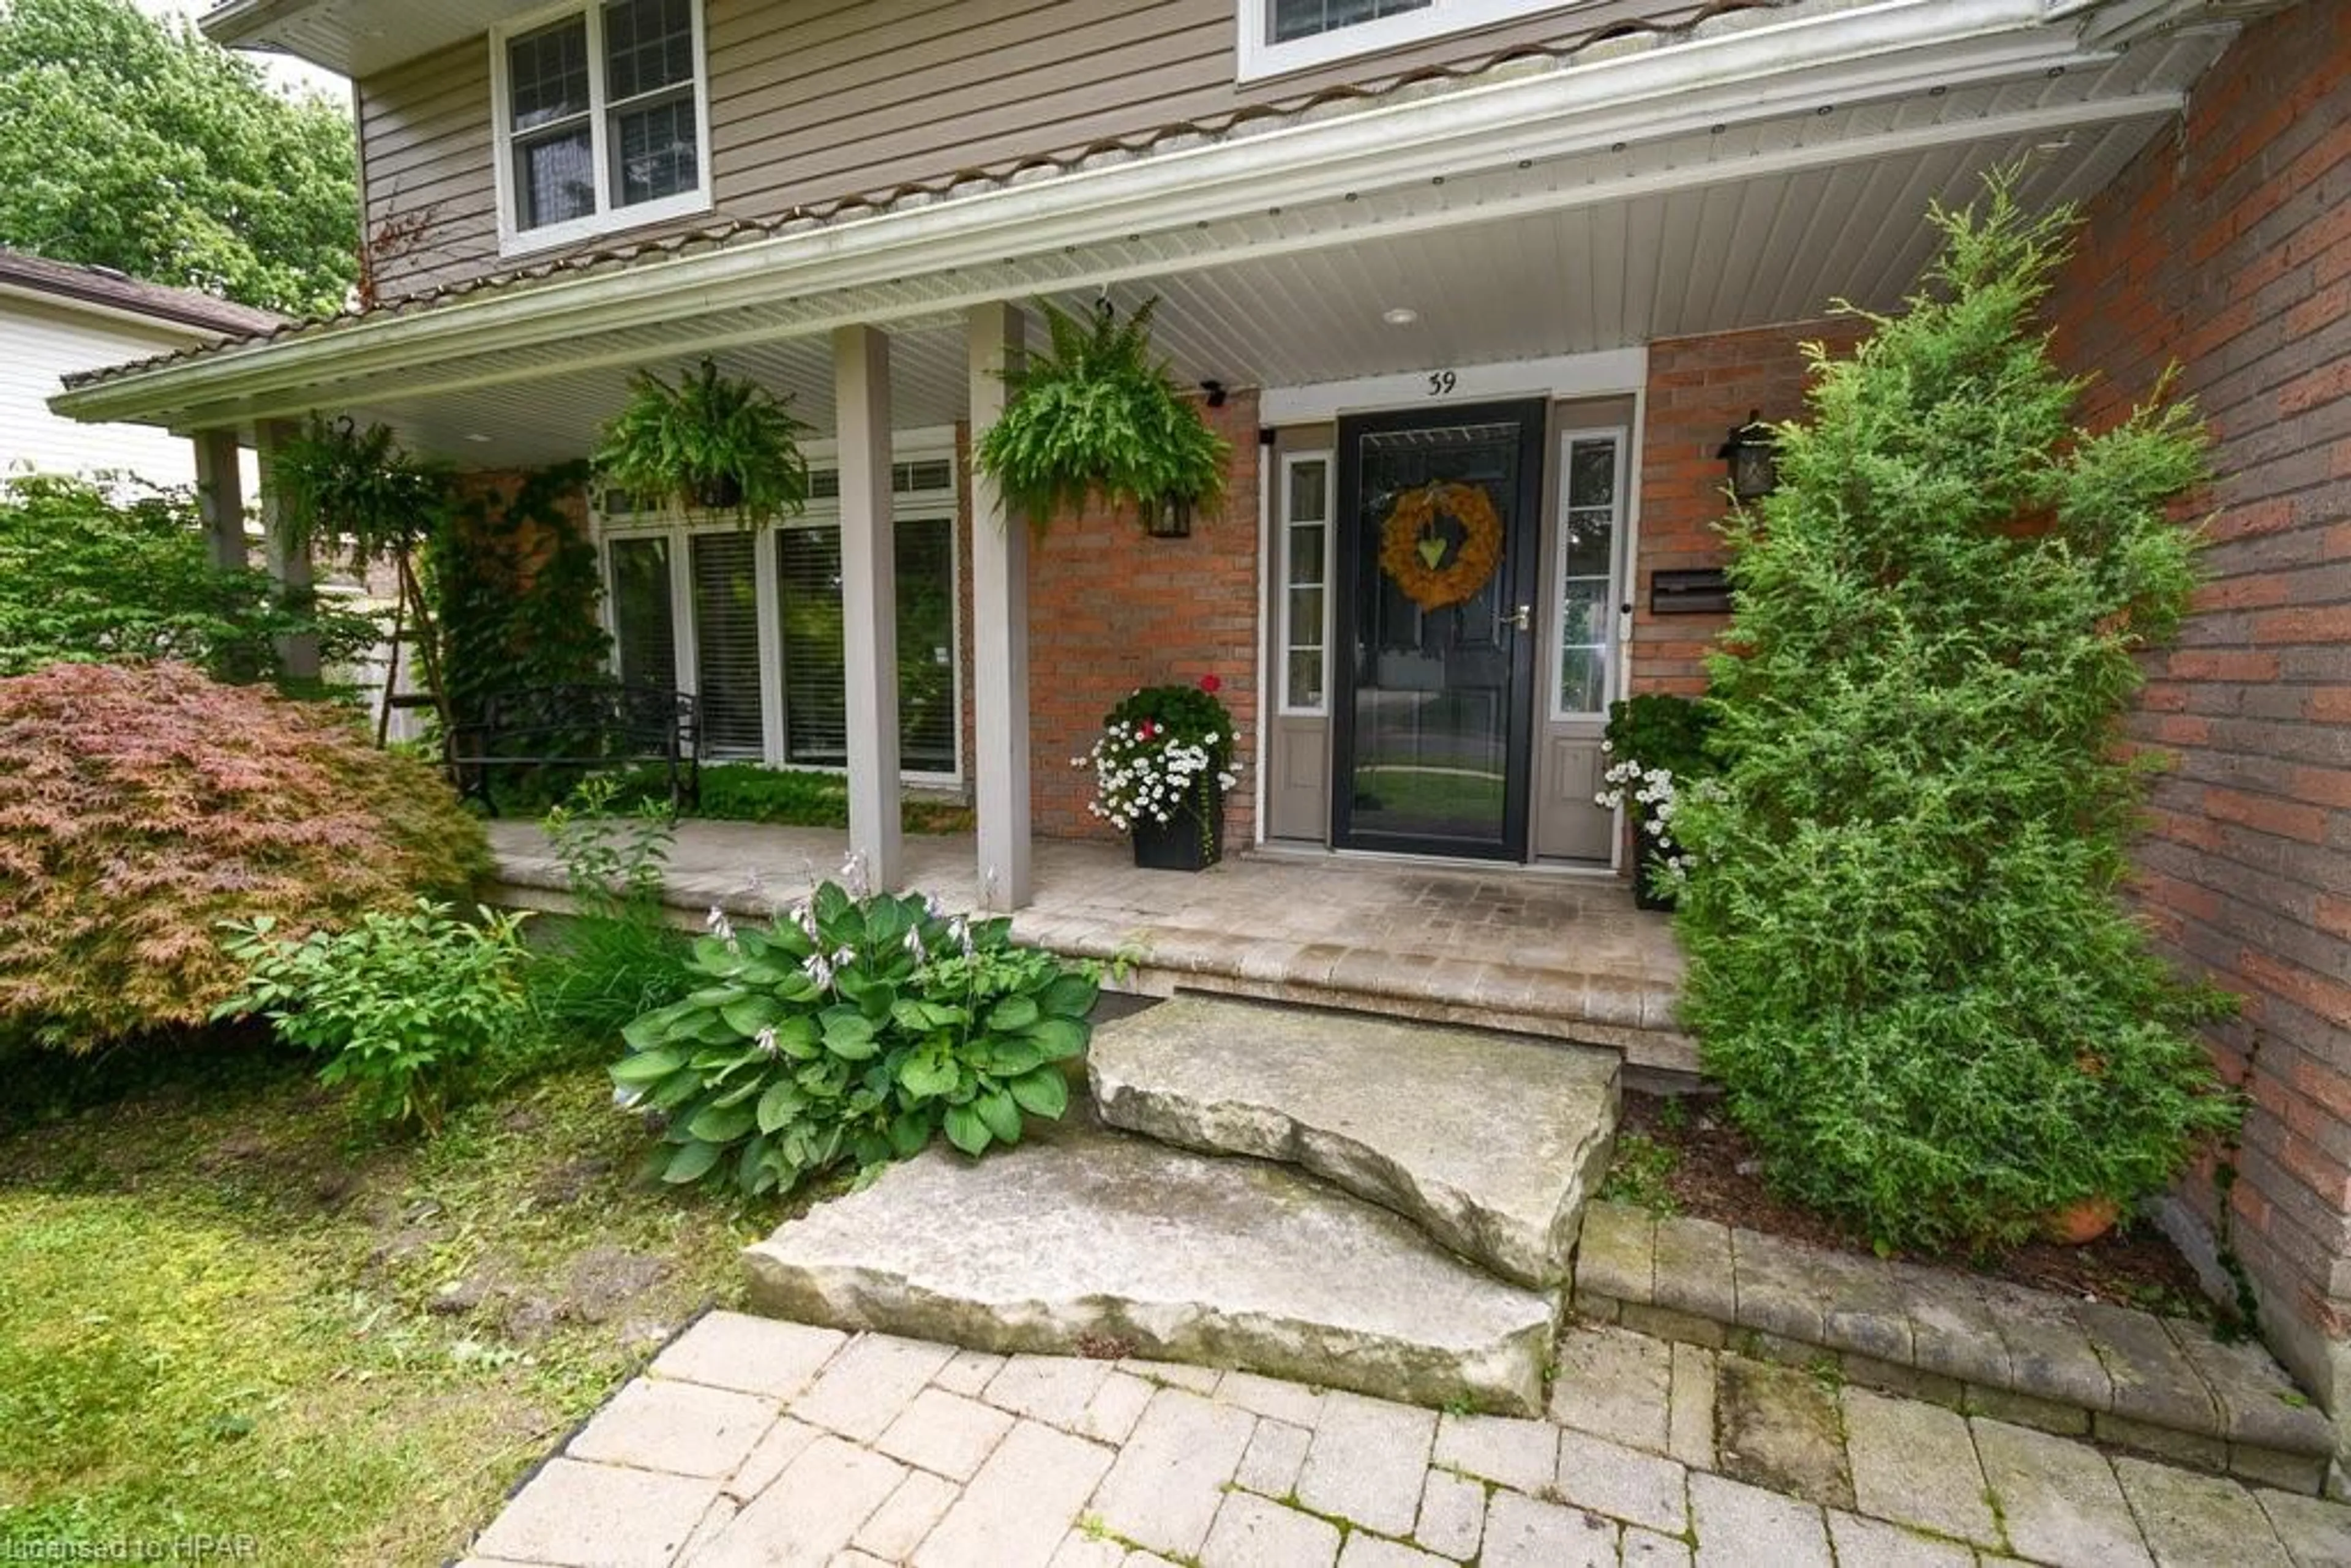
999,609
220,499
289,563
869,598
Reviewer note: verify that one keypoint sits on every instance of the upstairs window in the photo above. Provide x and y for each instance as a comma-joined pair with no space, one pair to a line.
601,121
1279,35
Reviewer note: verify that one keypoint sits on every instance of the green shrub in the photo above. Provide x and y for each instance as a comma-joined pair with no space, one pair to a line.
854,1030
139,808
732,792
399,1002
616,956
1909,962
87,577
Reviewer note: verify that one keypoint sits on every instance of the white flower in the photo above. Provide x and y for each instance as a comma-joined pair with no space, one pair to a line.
767,1041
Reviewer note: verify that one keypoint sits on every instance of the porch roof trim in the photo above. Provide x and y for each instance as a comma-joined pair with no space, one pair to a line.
1736,67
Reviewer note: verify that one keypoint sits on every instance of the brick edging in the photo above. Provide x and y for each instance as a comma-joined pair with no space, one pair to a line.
2164,1386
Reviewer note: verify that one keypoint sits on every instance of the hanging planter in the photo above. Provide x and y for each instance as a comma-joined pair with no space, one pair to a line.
712,443
1097,418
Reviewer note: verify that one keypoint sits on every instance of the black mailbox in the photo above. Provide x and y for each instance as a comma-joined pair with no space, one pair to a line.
1704,591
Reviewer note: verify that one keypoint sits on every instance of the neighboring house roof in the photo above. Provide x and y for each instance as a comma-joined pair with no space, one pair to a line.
113,290
1522,59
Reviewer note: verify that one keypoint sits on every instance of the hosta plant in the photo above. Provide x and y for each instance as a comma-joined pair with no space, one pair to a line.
853,1030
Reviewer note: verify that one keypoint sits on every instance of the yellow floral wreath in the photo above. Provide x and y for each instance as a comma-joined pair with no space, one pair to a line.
1413,552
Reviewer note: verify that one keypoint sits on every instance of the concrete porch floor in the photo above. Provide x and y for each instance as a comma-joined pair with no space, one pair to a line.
1560,955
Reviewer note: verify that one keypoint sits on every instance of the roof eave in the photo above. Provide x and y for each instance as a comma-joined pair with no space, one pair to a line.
1731,72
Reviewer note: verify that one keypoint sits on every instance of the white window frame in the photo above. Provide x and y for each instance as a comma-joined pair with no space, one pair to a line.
679,527
515,240
1288,644
1259,56
1615,644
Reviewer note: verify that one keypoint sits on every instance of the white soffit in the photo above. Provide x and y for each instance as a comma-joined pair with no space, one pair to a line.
1734,221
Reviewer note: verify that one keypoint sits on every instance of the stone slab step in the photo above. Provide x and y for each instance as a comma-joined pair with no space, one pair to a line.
1487,1141
1089,1240
2161,1385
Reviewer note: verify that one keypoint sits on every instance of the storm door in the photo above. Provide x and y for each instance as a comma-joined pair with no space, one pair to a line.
1440,513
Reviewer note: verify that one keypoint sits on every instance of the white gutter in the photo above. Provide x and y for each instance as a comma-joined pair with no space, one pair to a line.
1739,75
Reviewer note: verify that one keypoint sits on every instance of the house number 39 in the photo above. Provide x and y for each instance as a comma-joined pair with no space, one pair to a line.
1441,384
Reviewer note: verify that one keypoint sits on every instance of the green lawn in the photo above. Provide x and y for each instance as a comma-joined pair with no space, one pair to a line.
226,1309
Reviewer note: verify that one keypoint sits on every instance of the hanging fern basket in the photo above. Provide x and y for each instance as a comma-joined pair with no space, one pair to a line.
710,442
1096,418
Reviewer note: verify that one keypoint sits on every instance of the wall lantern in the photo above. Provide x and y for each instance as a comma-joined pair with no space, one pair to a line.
1753,454
1170,519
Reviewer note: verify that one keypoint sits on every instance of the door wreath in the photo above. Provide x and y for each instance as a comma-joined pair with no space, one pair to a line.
1414,552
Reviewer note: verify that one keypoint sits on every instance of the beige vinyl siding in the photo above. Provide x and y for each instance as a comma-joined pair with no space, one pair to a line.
816,99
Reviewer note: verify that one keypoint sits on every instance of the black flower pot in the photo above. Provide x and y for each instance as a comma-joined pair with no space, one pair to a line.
1178,845
718,493
1648,851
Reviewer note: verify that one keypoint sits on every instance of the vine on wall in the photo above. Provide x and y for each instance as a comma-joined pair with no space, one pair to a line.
515,577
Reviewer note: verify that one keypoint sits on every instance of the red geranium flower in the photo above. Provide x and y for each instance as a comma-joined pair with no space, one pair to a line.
1210,684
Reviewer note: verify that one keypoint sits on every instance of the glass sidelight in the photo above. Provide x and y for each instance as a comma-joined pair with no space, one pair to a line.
1437,630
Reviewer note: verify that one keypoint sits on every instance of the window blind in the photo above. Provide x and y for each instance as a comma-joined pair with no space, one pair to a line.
726,643
816,680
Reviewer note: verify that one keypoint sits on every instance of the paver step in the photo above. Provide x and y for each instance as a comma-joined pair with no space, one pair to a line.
1487,1141
2161,1385
1089,1240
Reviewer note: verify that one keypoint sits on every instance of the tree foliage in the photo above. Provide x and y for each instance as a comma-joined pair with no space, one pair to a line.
1910,964
87,577
132,142
141,808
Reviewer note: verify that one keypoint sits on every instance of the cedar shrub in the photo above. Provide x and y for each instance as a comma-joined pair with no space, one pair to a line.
142,807
1909,961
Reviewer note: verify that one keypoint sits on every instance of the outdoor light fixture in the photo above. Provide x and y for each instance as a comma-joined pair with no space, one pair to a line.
1214,390
1170,519
1753,454
1400,316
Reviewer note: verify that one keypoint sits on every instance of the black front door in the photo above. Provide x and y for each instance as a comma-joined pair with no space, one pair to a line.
1439,514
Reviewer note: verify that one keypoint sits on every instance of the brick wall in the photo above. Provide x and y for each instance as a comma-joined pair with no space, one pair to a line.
1698,389
2226,248
1110,610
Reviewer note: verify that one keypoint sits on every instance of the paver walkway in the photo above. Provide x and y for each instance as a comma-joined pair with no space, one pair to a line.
754,1441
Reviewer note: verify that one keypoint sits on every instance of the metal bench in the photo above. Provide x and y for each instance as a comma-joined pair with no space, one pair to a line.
580,726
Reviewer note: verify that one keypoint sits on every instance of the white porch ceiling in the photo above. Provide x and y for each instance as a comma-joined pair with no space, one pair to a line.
1740,252
1696,229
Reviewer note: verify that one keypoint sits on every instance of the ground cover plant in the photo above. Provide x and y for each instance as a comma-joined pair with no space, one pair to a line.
231,1309
1909,963
854,1030
139,808
732,792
